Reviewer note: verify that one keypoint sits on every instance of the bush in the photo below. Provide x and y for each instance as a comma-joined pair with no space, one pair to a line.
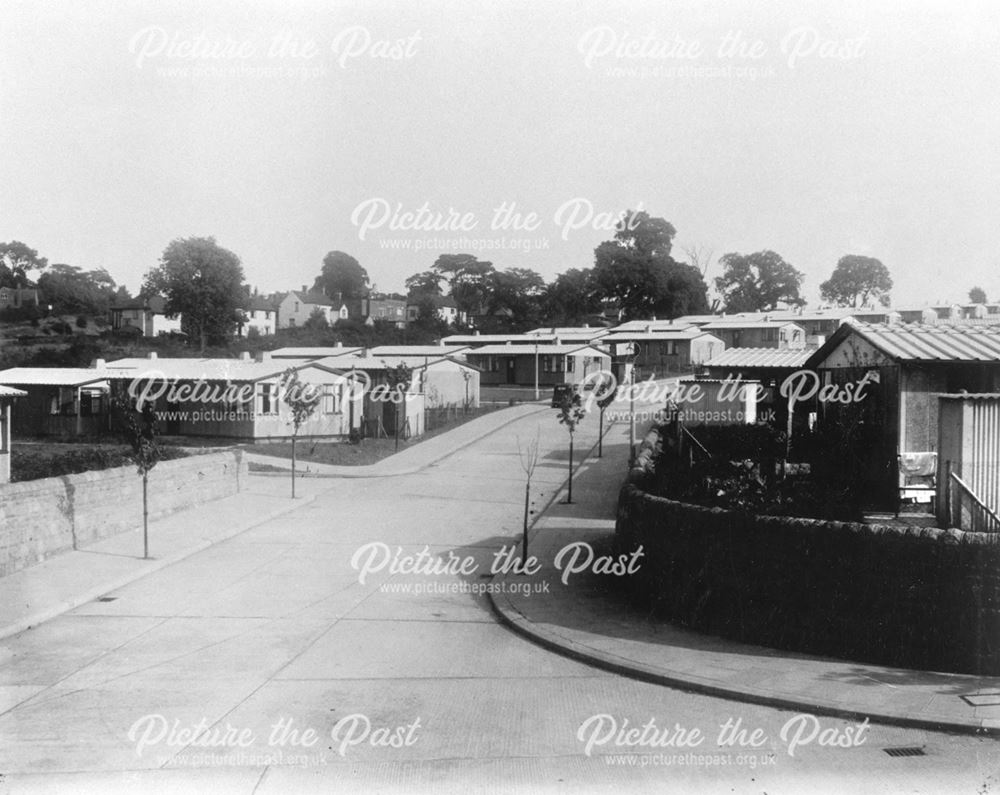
81,321
32,464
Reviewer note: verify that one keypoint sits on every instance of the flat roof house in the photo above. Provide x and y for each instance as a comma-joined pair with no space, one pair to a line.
758,333
232,398
8,395
659,353
58,401
517,365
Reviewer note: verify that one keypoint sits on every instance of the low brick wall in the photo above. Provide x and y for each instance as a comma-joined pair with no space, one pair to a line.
903,596
41,518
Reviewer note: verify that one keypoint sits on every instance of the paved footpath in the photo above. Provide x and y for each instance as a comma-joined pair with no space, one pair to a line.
266,663
587,618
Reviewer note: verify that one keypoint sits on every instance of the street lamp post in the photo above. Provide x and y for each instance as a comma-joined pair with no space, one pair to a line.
537,395
633,350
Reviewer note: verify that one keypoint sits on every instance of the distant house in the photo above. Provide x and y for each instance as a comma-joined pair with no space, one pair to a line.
908,366
385,308
447,310
17,297
7,397
550,363
657,353
262,317
297,306
58,401
917,314
145,315
736,333
948,311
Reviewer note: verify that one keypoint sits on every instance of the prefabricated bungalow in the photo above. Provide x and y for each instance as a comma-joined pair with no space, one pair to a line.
8,395
908,367
233,398
521,365
58,401
660,353
737,333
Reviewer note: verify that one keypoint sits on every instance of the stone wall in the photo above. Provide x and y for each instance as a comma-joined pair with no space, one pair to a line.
41,518
911,597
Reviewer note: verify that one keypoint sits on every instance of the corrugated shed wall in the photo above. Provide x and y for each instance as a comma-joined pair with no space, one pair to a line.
981,469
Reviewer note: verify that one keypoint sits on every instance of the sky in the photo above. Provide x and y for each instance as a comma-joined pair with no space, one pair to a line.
520,132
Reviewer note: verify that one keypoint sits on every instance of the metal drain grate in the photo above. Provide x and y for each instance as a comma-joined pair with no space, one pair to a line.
912,751
105,598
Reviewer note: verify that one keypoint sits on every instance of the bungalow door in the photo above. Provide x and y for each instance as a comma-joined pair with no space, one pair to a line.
511,379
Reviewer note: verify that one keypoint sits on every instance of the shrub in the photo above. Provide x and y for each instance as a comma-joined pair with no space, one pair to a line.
81,321
32,464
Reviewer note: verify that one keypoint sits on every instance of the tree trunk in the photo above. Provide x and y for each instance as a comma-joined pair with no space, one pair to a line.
569,496
293,467
145,517
600,436
524,536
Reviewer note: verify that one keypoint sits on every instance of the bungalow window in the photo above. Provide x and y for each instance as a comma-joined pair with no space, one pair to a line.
570,364
547,364
770,335
331,399
268,404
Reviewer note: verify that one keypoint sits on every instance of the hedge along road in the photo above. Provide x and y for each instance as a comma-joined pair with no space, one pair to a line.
263,664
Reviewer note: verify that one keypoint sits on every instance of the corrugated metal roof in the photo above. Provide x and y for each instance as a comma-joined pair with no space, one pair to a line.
530,350
51,376
661,334
573,331
312,353
971,396
760,357
203,369
9,391
939,342
418,350
738,324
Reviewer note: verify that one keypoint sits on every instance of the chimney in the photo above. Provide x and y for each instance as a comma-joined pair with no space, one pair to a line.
304,289
263,356
245,356
339,344
152,355
100,364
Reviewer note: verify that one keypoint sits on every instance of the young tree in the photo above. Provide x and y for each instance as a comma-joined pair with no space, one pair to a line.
302,400
139,427
529,460
202,282
855,280
342,274
758,282
571,413
977,295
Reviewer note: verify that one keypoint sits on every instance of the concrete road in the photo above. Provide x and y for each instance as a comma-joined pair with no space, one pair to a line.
265,665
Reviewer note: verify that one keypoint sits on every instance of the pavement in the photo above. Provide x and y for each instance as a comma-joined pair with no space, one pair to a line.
274,632
414,458
588,619
584,617
71,579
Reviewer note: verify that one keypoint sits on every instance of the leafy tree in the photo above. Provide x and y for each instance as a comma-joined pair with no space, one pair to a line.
856,280
425,283
16,259
571,413
202,282
570,298
636,270
71,290
758,282
139,426
470,280
518,291
977,295
302,400
316,320
342,274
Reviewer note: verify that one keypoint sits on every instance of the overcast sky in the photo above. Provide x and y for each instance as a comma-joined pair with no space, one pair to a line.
288,129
